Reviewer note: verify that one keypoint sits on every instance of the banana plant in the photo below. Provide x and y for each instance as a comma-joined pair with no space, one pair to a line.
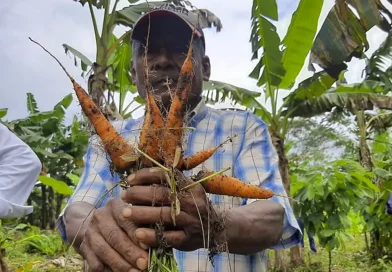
343,33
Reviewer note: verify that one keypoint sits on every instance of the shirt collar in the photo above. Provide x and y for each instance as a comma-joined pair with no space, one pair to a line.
198,112
200,108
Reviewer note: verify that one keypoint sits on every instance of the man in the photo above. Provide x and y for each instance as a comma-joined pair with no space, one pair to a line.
19,169
115,235
389,205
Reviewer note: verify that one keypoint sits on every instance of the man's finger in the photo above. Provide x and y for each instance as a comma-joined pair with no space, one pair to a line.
122,244
171,238
146,195
93,262
147,176
108,255
141,215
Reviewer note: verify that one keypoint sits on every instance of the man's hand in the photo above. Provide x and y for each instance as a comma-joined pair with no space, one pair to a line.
191,224
110,241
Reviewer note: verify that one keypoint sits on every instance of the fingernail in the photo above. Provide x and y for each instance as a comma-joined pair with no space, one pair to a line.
141,263
123,194
140,235
143,246
127,212
130,179
134,270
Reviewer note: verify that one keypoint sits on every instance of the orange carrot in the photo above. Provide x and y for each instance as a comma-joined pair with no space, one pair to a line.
151,134
225,185
115,145
194,160
176,115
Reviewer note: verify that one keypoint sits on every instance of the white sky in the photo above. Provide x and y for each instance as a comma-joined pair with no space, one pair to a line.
27,68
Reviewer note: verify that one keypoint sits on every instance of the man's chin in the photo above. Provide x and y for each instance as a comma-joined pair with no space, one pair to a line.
163,96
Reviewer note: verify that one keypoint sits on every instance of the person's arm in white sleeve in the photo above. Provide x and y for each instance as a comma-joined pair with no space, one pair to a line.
19,169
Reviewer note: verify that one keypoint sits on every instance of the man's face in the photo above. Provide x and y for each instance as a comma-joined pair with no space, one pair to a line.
168,45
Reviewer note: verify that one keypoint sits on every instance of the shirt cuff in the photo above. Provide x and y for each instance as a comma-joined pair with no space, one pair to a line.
11,210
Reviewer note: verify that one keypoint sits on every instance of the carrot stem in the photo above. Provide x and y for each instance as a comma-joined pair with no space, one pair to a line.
154,161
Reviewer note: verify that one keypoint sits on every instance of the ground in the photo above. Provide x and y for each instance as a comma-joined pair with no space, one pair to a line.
44,251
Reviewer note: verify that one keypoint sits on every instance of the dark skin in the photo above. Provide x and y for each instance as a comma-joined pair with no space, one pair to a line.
116,235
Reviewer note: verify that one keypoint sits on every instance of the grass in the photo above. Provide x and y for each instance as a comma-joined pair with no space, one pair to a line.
34,250
351,257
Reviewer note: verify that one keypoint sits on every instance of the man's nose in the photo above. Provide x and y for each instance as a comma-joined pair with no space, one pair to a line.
161,62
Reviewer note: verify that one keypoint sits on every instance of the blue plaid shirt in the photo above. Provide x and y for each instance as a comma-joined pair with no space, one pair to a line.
250,156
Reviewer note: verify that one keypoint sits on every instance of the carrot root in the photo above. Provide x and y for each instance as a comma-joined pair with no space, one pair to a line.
220,184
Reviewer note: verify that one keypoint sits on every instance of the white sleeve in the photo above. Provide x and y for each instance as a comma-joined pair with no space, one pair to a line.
19,169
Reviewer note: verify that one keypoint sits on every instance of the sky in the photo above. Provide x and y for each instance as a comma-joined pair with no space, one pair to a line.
27,68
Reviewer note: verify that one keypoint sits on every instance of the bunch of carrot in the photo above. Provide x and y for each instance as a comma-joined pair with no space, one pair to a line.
160,140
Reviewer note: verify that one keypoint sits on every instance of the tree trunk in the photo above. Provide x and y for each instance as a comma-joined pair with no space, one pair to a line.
30,215
295,252
59,201
365,160
97,83
43,207
51,210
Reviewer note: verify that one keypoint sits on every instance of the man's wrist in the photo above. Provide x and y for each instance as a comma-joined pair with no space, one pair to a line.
77,218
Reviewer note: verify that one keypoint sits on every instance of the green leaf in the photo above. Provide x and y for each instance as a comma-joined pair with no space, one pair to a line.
343,36
96,3
380,122
310,193
369,13
121,71
31,104
217,91
60,107
44,152
84,61
58,186
267,8
367,86
310,88
264,36
382,172
3,112
41,116
348,100
299,39
129,15
327,233
75,179
379,64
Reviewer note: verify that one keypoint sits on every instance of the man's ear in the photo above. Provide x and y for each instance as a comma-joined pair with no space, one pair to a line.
206,68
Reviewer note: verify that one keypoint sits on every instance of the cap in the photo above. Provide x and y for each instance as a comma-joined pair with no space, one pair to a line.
189,17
